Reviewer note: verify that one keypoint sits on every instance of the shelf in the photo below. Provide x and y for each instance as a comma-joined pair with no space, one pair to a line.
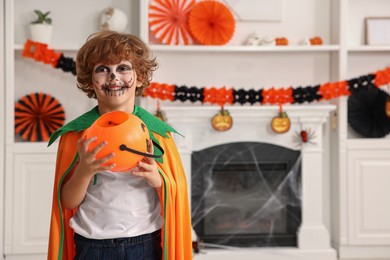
202,48
368,144
20,47
244,48
34,147
367,48
229,48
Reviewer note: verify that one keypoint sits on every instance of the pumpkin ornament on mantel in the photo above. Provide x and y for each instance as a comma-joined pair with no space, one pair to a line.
281,124
222,121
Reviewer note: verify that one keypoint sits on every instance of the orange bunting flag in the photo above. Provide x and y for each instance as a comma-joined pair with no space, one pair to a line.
160,91
277,96
334,90
382,77
219,96
29,49
40,52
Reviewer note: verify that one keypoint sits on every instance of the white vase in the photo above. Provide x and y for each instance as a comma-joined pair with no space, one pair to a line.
41,33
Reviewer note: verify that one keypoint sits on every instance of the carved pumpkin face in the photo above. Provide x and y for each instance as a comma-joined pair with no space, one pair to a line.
281,124
222,121
119,128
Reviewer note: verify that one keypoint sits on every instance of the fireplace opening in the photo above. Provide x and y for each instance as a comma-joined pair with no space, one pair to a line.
246,195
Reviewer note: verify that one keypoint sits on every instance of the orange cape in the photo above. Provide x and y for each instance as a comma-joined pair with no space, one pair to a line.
176,232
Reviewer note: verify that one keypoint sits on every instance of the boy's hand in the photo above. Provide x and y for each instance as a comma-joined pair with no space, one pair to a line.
88,163
147,168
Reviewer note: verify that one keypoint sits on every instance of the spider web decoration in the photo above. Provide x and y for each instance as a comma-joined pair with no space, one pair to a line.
168,21
224,176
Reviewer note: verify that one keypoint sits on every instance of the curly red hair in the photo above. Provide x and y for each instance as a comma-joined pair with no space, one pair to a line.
110,47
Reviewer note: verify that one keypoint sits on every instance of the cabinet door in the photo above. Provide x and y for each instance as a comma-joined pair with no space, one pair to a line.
368,192
29,207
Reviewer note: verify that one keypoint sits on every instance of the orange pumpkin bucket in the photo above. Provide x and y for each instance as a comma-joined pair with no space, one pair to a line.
127,136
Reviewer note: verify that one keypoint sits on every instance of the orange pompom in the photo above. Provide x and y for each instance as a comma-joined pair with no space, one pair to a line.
125,133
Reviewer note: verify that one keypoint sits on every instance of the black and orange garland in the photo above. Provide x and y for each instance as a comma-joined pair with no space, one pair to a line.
227,96
273,96
41,53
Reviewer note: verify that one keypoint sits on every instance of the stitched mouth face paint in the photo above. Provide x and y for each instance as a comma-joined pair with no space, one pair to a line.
114,90
114,80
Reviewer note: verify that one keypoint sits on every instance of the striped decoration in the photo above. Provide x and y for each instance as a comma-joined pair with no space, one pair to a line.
168,21
37,116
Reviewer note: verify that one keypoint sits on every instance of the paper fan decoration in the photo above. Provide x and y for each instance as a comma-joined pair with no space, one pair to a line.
37,116
168,21
367,112
211,23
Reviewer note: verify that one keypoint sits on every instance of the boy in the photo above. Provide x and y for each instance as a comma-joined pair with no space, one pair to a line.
139,214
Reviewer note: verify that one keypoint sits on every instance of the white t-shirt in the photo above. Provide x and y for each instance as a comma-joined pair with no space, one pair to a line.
118,205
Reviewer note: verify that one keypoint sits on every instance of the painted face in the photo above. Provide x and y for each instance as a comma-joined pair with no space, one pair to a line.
114,80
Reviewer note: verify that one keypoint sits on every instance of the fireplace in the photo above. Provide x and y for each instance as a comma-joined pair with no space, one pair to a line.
246,194
310,237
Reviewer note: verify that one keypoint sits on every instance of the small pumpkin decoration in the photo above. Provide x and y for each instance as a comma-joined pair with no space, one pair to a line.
281,41
316,40
222,121
281,123
387,107
127,136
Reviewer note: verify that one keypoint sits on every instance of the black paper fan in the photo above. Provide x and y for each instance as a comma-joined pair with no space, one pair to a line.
37,116
366,112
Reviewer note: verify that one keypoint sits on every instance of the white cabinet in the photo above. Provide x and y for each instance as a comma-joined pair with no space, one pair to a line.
368,176
29,197
361,166
362,227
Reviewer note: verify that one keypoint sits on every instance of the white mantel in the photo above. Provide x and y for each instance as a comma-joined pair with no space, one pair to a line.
252,124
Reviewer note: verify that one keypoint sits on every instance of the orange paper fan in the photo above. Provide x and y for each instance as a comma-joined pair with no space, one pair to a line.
168,21
211,23
37,116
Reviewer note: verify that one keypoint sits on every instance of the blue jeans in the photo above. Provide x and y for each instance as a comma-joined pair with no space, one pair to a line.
144,247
